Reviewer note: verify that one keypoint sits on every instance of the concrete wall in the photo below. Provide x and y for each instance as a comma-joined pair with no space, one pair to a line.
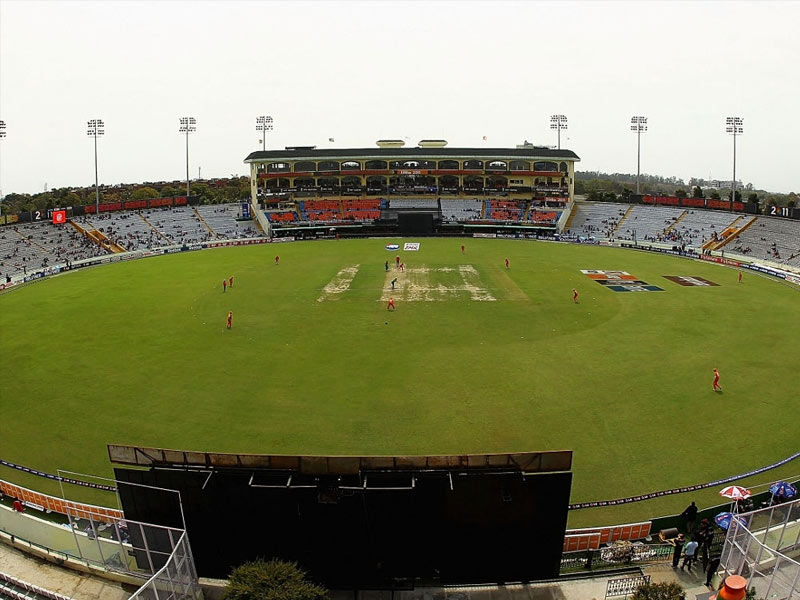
62,539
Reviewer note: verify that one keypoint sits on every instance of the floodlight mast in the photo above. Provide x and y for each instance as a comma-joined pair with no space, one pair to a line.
2,135
558,122
639,125
94,129
188,125
264,124
734,126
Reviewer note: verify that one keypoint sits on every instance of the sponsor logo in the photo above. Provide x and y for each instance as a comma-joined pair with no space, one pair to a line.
620,281
392,246
411,246
690,281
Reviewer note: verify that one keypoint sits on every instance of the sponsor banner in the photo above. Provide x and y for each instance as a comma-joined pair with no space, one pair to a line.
59,217
690,281
484,235
720,260
681,490
795,280
392,246
411,246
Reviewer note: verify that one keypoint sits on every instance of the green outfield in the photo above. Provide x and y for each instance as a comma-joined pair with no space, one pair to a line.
477,358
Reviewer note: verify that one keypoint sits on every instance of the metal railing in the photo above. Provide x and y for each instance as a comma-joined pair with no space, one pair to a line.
615,556
758,547
176,580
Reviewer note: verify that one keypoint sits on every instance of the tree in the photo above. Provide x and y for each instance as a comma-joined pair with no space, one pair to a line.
697,192
271,580
738,196
168,191
659,591
715,195
752,198
680,193
144,193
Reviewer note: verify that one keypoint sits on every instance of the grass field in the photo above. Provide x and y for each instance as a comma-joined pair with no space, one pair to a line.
476,359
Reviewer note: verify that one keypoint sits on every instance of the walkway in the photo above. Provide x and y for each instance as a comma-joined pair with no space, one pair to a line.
76,585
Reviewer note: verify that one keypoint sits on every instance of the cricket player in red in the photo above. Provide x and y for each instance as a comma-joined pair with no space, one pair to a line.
224,285
574,295
230,282
506,263
277,259
230,318
397,261
740,277
462,249
391,304
717,386
402,266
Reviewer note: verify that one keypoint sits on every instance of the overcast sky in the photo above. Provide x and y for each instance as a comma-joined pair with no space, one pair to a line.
361,71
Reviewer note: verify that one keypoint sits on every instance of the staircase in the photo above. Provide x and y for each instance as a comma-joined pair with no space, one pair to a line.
676,221
622,220
731,231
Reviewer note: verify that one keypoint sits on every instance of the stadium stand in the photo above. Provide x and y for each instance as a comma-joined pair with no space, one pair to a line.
129,229
366,209
505,210
320,210
647,223
598,219
16,589
30,246
426,203
770,238
221,218
699,226
461,210
281,216
540,216
180,225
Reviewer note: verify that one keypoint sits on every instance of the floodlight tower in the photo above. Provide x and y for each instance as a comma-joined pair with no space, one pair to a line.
639,125
558,122
95,128
2,135
188,125
734,126
264,124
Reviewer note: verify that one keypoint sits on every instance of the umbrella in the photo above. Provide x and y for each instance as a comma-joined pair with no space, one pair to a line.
724,519
783,490
735,492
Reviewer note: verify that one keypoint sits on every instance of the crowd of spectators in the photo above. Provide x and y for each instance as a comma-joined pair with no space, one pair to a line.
28,247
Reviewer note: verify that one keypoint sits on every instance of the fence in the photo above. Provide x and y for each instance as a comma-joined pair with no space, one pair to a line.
757,548
616,556
625,586
176,580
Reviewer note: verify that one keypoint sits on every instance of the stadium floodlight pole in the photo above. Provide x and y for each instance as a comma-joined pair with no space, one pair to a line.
558,122
188,125
264,124
639,125
734,126
95,128
2,135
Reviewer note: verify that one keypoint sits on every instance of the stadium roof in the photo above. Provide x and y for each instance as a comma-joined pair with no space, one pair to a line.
311,153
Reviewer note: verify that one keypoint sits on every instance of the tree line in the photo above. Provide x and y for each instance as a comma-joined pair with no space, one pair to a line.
214,191
611,187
